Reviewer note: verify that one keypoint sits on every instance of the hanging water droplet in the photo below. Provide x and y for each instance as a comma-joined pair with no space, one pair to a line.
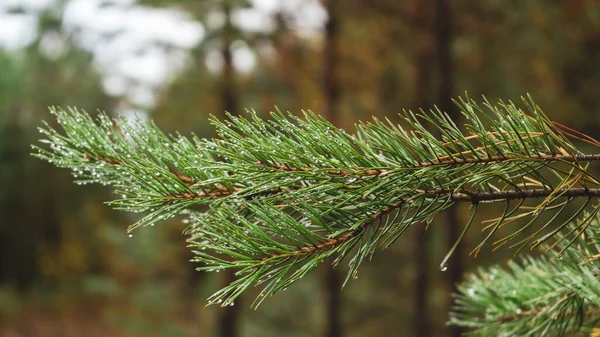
560,257
443,267
130,235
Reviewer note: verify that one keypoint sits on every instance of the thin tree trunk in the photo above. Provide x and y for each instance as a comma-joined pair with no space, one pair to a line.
228,92
229,318
421,318
424,59
332,281
445,92
228,321
333,285
331,61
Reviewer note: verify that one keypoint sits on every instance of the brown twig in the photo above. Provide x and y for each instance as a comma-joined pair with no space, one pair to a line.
510,318
458,196
454,161
200,195
89,157
182,177
223,192
218,190
521,194
342,238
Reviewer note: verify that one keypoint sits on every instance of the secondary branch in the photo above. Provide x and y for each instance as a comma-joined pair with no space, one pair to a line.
457,196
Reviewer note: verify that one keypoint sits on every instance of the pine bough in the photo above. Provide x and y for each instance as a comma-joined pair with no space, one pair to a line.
273,199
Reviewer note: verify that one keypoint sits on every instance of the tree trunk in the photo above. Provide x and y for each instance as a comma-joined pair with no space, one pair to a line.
333,285
332,282
229,318
331,61
424,91
445,92
228,91
228,321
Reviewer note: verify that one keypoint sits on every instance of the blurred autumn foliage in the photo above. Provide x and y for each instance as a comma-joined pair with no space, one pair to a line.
67,268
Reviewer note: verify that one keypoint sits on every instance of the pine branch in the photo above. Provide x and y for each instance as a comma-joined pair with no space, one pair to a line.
537,297
282,195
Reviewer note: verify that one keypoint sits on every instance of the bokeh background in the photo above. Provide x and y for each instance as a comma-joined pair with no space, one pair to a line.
67,267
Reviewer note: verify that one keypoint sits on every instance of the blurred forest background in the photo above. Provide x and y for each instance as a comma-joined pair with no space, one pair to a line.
67,267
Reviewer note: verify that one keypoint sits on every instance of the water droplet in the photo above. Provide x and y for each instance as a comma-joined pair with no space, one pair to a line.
560,257
443,268
130,235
